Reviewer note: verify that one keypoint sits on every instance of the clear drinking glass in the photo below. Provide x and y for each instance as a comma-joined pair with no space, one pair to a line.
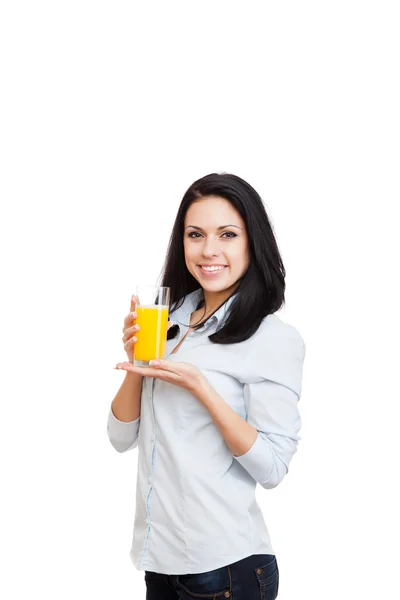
152,317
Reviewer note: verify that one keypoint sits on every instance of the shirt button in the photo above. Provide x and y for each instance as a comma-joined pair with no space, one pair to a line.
227,594
258,571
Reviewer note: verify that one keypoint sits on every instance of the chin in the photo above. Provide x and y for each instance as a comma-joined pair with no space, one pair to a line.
216,286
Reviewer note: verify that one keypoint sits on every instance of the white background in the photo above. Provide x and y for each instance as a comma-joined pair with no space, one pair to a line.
109,111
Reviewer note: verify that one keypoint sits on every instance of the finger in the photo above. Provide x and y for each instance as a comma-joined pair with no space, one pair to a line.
157,365
149,372
170,324
129,331
165,365
133,303
127,366
130,343
145,371
129,319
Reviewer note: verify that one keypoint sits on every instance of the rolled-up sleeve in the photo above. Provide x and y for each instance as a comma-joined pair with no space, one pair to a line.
271,394
123,435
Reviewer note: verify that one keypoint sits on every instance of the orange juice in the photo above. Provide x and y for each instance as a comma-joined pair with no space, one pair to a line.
152,335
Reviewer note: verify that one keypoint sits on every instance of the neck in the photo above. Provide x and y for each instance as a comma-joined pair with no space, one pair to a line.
213,300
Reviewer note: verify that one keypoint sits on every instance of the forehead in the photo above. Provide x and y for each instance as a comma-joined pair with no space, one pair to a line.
212,210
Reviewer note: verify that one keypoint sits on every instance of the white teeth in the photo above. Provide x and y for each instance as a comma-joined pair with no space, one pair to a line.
213,268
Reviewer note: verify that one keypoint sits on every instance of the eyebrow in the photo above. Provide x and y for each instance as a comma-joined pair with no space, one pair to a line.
218,228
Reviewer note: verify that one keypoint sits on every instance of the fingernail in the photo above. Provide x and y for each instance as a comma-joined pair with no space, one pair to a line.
154,363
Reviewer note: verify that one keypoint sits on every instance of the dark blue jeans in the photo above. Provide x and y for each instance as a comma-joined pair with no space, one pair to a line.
253,578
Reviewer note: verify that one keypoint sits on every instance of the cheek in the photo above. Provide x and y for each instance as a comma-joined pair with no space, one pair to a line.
189,255
240,259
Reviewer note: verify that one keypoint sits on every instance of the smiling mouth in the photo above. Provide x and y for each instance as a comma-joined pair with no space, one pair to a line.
212,271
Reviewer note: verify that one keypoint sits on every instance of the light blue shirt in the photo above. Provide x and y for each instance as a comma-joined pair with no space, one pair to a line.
195,502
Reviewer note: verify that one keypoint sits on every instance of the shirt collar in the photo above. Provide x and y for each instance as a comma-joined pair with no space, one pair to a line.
190,304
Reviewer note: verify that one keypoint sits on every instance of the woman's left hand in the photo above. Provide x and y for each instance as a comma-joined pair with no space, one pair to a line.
182,374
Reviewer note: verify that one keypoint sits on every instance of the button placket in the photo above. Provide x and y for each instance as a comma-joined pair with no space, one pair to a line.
151,477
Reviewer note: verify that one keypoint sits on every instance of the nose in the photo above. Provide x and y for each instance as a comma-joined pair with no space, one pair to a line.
211,247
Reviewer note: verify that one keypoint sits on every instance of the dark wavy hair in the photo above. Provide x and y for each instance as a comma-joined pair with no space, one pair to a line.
261,290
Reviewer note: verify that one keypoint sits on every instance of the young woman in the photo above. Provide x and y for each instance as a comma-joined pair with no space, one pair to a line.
220,413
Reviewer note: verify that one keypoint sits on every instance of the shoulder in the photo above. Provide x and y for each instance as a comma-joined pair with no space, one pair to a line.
273,330
276,352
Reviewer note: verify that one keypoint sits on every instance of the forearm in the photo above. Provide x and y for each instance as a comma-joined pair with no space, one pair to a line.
126,404
265,456
237,433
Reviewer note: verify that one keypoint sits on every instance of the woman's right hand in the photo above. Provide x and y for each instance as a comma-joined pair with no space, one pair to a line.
130,328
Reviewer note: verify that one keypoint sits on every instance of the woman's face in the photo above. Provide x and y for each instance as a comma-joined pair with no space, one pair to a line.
215,234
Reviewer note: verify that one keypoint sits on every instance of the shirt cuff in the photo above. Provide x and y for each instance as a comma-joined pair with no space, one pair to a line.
122,432
256,459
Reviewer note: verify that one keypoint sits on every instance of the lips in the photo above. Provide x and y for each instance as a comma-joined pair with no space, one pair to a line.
213,272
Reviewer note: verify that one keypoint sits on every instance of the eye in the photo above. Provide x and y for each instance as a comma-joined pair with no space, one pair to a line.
194,235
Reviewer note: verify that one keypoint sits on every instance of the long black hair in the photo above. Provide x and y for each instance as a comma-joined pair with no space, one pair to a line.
261,290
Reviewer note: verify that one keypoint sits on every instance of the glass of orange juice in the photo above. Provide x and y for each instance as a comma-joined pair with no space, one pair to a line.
152,317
